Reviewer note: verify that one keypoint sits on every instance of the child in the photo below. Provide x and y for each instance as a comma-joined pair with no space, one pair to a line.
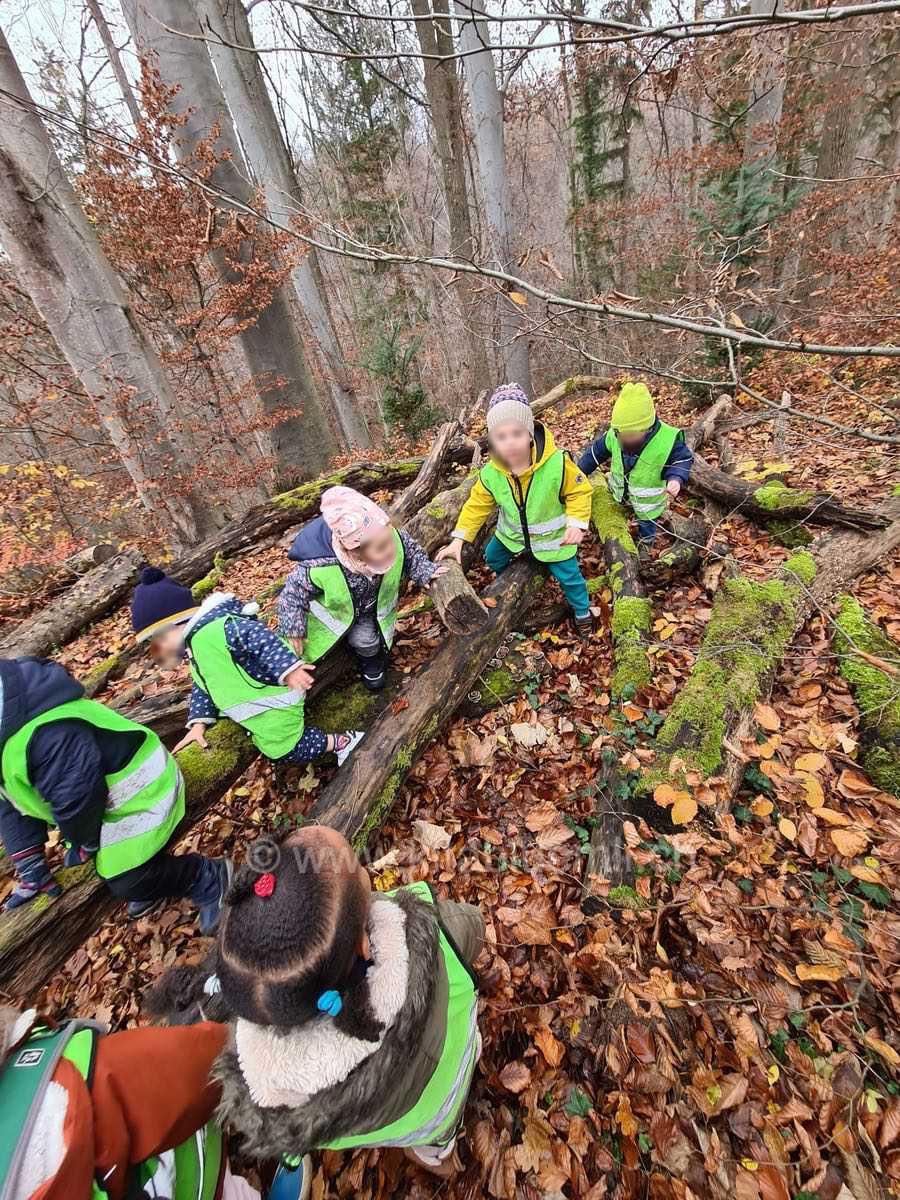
350,564
650,460
355,1013
543,498
240,670
108,784
96,1116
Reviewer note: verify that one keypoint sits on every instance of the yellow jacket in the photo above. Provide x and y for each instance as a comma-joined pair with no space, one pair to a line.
576,490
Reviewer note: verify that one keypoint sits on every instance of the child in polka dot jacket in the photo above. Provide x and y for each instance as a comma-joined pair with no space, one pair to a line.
239,667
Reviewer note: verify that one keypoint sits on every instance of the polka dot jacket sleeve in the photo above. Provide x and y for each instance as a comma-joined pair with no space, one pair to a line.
259,651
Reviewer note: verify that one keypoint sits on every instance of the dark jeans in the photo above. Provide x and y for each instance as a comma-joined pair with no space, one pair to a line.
165,876
647,531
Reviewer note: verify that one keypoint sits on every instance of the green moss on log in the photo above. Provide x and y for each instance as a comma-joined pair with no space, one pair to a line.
230,749
95,678
401,763
789,533
750,628
624,896
307,495
877,694
344,707
609,518
802,566
207,585
631,621
775,497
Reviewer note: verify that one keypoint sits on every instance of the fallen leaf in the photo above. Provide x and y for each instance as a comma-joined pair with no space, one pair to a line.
551,1048
811,762
430,837
849,842
761,807
852,783
831,816
625,1118
684,809
767,718
639,1040
555,835
398,705
515,1077
824,972
664,795
529,735
812,792
631,712
787,829
887,1052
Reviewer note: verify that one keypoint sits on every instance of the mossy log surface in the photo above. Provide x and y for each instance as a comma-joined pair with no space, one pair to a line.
632,612
359,797
876,691
92,596
751,627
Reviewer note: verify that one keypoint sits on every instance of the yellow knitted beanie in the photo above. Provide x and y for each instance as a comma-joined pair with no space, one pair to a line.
634,410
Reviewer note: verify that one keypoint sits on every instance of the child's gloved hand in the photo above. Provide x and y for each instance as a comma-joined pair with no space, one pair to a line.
673,487
453,550
301,677
572,537
196,733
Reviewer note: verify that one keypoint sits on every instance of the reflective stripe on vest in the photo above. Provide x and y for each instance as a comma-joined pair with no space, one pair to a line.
332,613
540,527
146,797
434,1118
647,493
271,714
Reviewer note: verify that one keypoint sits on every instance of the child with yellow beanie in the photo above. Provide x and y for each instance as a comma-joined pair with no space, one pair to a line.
649,460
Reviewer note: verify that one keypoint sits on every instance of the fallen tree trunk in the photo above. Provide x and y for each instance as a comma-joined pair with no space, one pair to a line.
870,662
458,604
632,613
358,799
426,482
751,627
89,598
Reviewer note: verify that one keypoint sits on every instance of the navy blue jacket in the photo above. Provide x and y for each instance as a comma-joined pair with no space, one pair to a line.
678,465
68,760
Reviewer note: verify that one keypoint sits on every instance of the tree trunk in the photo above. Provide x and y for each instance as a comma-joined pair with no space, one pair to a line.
244,86
458,605
59,262
92,596
442,87
358,800
303,441
115,60
751,627
425,483
486,105
870,662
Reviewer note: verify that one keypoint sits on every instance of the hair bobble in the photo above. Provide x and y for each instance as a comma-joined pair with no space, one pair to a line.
330,1003
265,885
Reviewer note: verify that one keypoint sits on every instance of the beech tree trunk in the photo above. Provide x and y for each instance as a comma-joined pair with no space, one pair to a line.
58,260
442,87
92,596
751,627
244,86
358,800
303,441
486,105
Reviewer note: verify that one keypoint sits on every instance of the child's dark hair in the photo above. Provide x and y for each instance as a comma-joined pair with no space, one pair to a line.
291,930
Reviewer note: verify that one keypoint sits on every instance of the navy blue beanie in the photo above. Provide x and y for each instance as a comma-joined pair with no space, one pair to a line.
159,603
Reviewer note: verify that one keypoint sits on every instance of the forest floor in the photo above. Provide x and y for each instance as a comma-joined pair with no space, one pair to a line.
727,1027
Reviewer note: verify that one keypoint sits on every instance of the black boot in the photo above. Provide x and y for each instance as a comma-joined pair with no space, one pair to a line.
373,670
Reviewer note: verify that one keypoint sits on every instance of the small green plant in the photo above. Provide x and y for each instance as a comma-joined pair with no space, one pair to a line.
392,360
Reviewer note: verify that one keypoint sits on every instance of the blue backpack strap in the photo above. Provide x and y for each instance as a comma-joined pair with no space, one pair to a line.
24,1077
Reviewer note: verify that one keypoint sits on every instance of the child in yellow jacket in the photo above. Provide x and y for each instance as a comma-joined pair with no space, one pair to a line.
544,500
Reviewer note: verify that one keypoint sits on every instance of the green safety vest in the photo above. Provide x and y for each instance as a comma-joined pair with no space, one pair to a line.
191,1171
146,798
271,714
537,521
331,614
646,487
434,1118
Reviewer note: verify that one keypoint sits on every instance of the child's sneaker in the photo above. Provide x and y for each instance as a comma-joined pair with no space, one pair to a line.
140,908
345,743
584,626
208,893
373,672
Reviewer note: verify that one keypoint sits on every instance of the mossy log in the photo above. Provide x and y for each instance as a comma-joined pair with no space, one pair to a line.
92,596
768,501
870,662
751,627
692,546
632,612
358,798
426,481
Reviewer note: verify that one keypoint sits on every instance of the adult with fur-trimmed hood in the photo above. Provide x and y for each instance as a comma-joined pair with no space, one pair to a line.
107,783
355,1014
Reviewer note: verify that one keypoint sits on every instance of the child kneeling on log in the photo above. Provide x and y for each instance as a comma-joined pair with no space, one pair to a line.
351,562
110,786
649,460
240,669
544,500
355,1013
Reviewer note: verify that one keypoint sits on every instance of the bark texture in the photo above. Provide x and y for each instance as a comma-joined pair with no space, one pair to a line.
751,627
